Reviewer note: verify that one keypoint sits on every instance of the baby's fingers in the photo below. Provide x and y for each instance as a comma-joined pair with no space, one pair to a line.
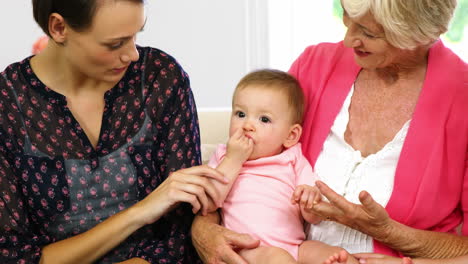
297,194
305,197
312,199
317,197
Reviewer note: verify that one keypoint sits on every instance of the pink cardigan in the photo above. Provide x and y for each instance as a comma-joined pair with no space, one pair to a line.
431,180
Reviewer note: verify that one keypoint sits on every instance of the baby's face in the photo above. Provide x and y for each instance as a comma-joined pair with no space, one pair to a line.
264,116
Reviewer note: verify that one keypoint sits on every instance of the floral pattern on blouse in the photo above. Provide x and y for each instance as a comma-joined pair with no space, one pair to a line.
54,184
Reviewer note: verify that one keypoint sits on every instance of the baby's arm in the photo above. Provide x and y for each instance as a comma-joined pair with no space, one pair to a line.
306,196
239,148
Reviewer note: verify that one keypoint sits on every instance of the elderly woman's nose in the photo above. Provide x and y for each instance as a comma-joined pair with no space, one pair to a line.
351,39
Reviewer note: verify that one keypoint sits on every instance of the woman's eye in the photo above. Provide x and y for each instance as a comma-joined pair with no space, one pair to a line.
240,114
265,119
367,35
115,46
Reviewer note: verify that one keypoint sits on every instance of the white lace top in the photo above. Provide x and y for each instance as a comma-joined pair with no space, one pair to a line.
347,172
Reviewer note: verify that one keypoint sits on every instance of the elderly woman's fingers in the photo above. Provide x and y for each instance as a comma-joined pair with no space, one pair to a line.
370,205
333,197
377,215
327,192
216,244
238,241
389,260
326,211
368,255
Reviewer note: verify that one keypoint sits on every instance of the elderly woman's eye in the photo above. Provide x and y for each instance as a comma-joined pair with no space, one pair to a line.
367,35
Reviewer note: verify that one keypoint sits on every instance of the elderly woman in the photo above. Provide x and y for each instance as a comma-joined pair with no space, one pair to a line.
386,113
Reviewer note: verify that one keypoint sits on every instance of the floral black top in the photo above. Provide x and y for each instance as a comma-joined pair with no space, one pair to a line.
54,184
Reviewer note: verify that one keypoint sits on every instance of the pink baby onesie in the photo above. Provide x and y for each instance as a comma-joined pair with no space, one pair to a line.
259,202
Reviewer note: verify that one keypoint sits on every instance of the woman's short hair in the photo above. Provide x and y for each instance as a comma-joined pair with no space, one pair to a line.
77,13
407,23
279,81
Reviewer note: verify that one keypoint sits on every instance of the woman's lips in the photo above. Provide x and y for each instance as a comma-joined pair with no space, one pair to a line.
119,70
361,53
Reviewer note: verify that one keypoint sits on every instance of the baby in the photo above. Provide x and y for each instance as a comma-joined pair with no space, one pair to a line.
271,185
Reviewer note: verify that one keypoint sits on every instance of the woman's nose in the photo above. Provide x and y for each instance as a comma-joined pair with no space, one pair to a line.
351,39
131,53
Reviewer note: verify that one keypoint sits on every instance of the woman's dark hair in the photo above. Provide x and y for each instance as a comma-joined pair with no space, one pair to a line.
77,13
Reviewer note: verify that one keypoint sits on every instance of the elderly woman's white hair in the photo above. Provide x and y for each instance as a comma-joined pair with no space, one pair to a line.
407,23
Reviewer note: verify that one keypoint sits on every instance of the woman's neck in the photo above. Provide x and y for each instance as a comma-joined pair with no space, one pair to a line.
55,71
413,66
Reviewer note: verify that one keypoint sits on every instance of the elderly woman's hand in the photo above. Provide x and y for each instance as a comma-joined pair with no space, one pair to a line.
372,258
368,217
216,244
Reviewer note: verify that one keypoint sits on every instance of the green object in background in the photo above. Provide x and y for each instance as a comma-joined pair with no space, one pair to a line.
459,22
337,9
457,26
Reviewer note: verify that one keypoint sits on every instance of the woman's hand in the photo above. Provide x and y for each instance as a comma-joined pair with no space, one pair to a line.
190,185
368,217
134,261
216,244
372,258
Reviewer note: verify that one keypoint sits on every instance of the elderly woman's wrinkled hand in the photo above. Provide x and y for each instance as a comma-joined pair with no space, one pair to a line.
368,217
216,244
372,258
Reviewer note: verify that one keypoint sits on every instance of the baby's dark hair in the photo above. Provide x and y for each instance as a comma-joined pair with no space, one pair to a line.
280,81
78,14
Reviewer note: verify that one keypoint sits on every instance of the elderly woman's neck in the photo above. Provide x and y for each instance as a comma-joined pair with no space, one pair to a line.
413,65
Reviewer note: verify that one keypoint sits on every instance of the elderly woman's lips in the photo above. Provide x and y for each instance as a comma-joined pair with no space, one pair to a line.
361,53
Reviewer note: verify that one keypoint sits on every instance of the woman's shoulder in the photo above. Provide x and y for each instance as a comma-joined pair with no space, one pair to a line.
445,66
322,56
154,58
326,46
325,50
10,73
12,79
321,60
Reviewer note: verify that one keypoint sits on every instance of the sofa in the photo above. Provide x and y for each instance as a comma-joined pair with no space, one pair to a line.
214,130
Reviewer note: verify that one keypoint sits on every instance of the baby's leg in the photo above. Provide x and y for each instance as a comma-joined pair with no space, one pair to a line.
267,255
316,252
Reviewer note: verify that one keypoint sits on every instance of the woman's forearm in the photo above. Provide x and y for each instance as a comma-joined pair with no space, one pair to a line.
424,244
94,243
